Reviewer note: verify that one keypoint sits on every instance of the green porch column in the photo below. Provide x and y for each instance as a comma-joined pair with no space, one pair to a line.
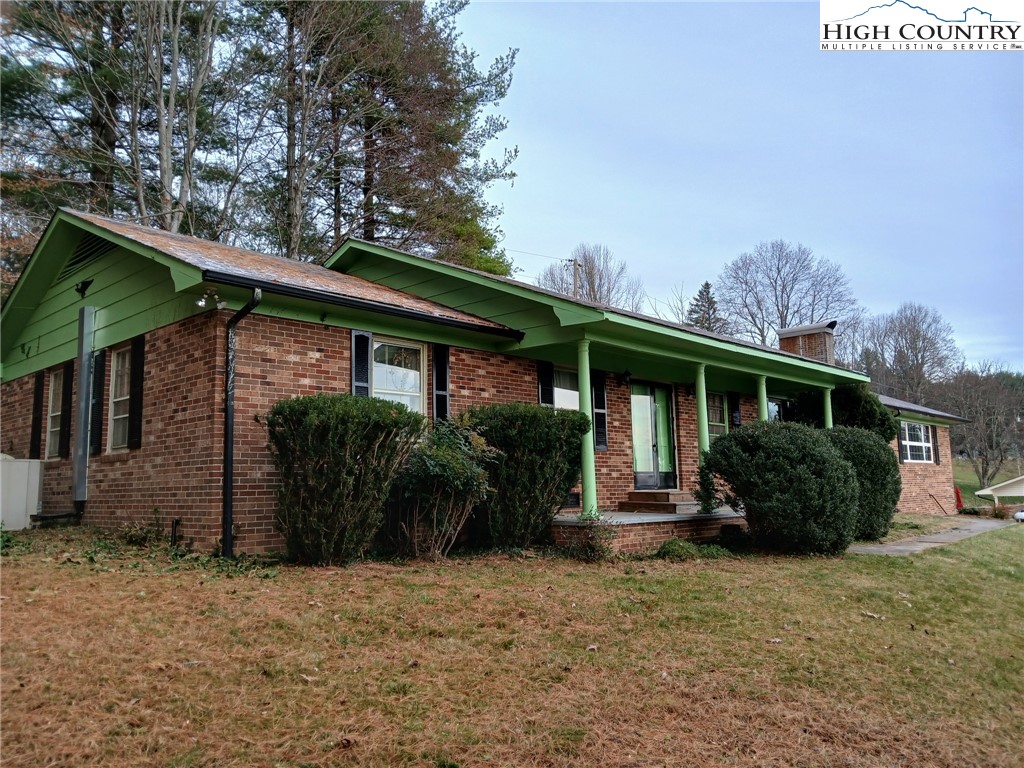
762,398
826,396
589,472
703,438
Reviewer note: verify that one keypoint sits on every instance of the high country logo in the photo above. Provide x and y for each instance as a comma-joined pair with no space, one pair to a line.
902,25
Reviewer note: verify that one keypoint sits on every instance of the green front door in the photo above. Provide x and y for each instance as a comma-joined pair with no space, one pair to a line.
653,446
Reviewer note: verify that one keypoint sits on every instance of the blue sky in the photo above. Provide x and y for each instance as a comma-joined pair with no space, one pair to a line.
682,134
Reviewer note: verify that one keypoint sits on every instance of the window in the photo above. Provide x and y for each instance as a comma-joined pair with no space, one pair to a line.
567,390
398,373
774,409
53,419
915,442
716,416
120,397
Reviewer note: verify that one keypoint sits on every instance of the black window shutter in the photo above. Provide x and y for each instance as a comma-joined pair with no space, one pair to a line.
935,444
362,364
600,415
546,383
64,439
137,375
439,353
899,443
733,401
99,370
35,438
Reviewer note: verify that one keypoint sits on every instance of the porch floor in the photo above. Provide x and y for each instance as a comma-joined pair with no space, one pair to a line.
644,532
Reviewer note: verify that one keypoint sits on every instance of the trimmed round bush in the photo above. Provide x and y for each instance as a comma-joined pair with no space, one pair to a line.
336,456
537,465
853,405
878,478
798,492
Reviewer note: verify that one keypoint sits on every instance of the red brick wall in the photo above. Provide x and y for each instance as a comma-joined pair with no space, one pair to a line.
176,472
922,481
484,378
615,466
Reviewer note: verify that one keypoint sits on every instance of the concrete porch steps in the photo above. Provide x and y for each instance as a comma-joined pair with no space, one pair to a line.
663,502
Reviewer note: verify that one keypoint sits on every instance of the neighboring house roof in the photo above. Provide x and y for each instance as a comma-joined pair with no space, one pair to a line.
221,262
903,406
1014,487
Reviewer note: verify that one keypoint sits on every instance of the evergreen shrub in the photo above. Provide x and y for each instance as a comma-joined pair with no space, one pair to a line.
537,466
878,478
336,456
798,493
437,489
853,405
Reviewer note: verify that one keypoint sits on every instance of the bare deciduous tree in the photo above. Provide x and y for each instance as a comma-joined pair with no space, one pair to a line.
594,274
907,351
985,395
781,285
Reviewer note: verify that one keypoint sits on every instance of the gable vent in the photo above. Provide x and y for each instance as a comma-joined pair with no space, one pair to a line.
89,248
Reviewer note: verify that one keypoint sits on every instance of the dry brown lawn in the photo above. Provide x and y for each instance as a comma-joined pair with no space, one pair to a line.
113,656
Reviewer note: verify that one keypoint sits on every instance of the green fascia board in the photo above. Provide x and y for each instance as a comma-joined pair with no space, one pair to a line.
752,360
607,326
921,418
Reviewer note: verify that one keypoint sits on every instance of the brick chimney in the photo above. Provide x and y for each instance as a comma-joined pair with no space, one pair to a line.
815,341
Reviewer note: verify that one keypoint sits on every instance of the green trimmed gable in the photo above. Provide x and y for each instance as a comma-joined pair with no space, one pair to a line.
136,289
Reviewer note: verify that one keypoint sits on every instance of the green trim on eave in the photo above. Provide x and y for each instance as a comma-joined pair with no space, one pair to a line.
550,320
920,418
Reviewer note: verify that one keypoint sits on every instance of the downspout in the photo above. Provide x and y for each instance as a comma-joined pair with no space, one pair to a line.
227,542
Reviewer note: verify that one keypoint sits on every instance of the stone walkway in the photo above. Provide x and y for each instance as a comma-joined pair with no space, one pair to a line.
969,527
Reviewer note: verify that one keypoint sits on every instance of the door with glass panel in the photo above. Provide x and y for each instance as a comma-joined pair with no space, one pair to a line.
653,444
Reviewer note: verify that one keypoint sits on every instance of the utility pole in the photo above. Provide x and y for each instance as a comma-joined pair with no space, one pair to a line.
575,278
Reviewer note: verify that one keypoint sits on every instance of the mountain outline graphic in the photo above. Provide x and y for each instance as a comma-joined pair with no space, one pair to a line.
925,10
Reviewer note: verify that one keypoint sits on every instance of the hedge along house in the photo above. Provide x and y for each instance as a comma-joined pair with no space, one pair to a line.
926,460
136,362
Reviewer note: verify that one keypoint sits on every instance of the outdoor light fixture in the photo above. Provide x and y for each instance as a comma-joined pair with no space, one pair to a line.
210,297
625,377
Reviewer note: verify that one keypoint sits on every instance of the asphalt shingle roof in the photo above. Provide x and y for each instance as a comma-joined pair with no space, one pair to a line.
246,264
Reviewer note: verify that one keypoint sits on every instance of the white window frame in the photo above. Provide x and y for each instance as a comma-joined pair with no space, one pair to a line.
906,444
423,369
568,402
53,414
124,356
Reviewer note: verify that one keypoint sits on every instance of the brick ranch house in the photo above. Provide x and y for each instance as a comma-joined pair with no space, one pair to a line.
136,362
926,461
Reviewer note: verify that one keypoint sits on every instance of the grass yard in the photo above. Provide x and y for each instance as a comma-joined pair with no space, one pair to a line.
907,525
965,479
113,656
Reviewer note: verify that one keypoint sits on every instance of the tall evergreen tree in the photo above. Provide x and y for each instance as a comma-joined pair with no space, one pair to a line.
317,119
703,311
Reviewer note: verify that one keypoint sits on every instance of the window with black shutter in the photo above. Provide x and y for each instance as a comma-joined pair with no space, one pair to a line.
35,439
362,347
99,371
546,383
138,370
439,353
600,415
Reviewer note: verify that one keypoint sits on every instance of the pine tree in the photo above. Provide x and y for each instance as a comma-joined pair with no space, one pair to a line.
703,311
